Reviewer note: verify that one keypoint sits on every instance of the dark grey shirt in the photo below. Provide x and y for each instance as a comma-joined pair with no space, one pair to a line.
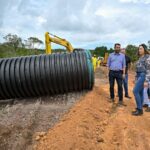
128,62
143,65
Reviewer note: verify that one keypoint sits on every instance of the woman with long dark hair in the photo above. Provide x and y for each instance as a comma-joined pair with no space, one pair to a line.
142,77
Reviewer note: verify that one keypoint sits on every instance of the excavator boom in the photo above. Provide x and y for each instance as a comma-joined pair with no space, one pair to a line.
57,40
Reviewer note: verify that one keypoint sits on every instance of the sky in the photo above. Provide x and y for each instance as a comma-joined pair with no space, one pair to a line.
84,23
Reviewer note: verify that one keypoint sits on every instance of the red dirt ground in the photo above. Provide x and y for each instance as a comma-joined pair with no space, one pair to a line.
95,124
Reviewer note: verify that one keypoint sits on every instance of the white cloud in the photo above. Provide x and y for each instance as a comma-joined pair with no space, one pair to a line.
82,22
136,1
41,20
109,11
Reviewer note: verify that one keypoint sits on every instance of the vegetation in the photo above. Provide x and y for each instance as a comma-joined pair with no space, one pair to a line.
131,51
9,51
14,46
100,51
13,40
32,41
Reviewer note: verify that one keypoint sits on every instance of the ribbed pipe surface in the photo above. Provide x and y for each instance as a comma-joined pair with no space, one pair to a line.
45,75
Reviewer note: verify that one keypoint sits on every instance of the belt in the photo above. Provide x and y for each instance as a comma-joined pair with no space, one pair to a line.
141,72
116,70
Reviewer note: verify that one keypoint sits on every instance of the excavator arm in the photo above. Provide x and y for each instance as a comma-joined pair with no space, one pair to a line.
57,40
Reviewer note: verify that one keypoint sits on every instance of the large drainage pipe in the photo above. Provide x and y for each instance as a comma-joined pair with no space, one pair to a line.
45,74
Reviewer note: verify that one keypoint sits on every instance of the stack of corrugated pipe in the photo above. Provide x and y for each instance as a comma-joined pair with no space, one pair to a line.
41,75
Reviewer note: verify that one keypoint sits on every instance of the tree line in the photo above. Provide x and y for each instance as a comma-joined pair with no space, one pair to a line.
131,50
15,41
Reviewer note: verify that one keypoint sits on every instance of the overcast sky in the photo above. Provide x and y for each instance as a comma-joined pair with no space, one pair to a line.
85,23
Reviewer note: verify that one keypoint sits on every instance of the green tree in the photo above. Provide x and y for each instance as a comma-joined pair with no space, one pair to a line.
34,40
131,51
100,51
111,50
13,40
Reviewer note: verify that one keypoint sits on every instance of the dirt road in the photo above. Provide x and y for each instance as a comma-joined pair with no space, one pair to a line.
95,124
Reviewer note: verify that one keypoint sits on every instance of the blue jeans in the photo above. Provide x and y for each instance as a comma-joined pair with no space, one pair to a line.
138,90
125,84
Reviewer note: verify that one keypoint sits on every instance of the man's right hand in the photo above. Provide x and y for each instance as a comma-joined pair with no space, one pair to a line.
123,76
107,75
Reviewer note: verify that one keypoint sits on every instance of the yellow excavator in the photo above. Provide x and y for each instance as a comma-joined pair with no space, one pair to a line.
49,38
104,61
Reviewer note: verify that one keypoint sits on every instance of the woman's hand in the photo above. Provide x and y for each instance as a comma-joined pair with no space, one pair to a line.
145,84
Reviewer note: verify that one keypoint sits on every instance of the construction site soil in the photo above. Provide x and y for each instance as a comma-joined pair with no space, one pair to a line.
75,121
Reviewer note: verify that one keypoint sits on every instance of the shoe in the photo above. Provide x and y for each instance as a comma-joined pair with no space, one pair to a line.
148,109
121,103
134,110
127,96
138,112
145,105
111,100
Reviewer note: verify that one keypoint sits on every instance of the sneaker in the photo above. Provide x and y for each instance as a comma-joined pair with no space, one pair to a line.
127,96
134,110
121,103
148,109
138,112
111,100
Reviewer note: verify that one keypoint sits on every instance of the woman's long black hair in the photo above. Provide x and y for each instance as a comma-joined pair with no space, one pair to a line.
145,49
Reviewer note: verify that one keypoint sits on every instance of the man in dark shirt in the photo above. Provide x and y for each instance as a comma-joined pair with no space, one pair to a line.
125,80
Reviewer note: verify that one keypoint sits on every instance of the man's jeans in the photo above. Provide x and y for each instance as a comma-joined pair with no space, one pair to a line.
116,75
125,84
138,90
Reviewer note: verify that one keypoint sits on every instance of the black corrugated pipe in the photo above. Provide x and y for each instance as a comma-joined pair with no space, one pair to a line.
45,74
